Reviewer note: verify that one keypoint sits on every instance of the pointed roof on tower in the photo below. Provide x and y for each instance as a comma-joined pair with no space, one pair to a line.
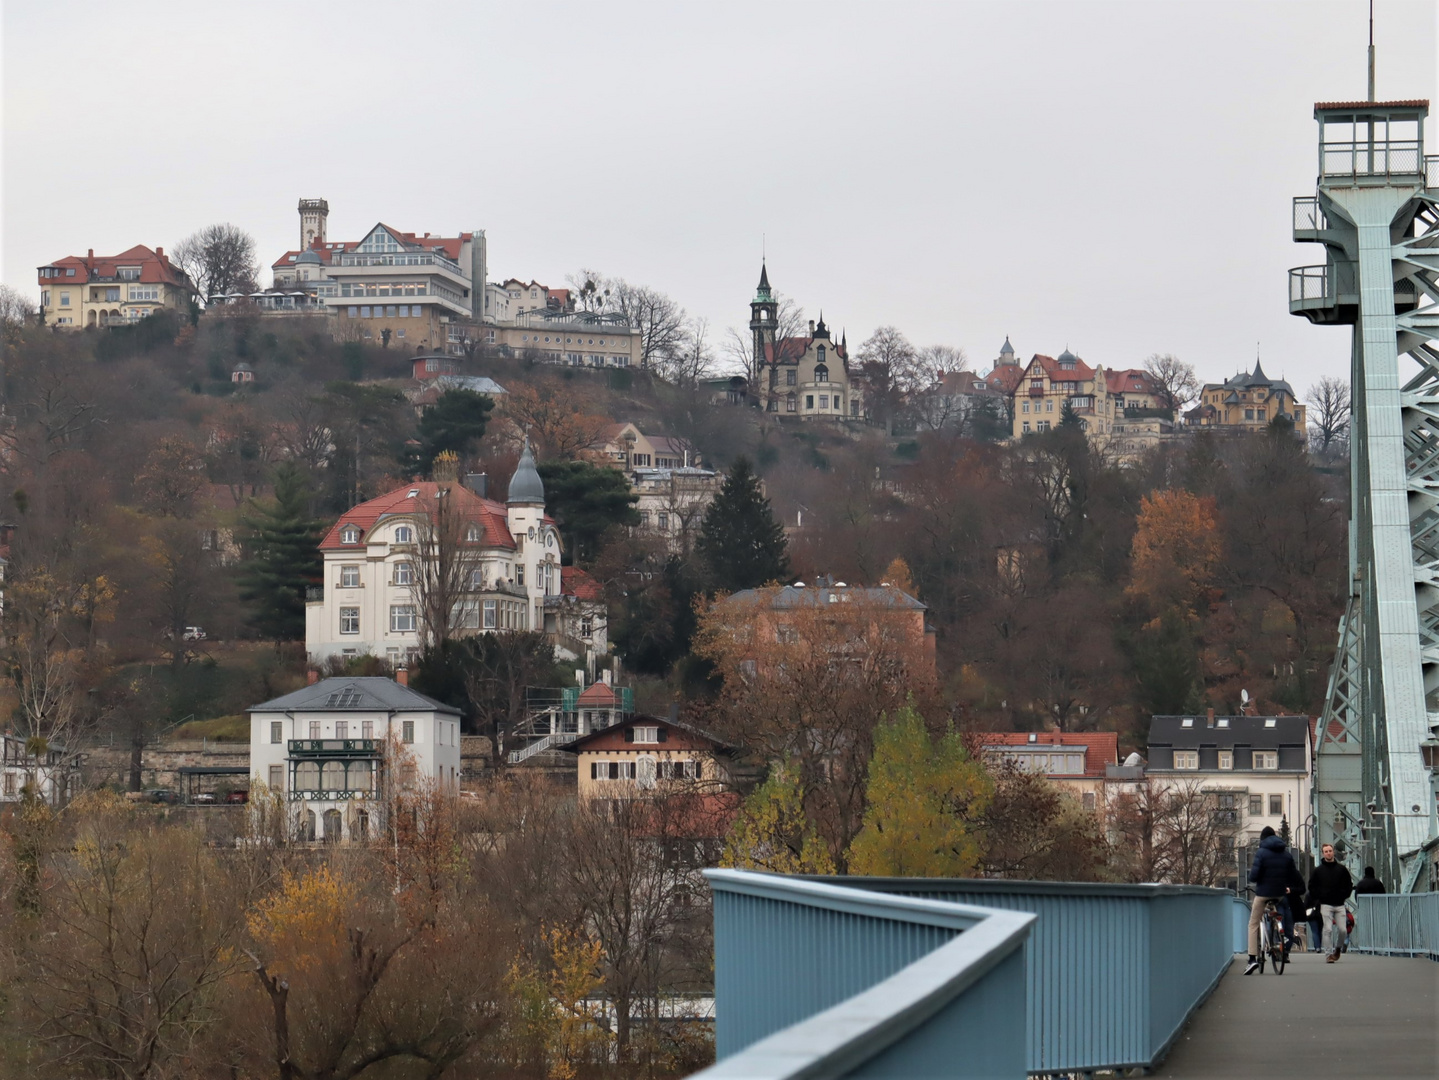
1006,349
763,294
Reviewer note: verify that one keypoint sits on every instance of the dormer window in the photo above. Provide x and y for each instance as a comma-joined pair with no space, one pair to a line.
472,534
404,534
349,535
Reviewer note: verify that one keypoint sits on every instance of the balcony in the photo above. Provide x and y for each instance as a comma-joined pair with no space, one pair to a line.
335,748
1310,221
1376,159
1431,171
1325,294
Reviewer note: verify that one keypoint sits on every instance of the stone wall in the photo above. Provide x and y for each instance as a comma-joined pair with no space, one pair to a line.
160,765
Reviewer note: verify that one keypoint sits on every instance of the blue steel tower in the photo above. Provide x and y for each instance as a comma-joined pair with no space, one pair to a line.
1377,214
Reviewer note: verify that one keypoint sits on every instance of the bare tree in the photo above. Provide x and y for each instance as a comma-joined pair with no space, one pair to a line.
739,342
446,557
658,320
219,259
692,357
1176,381
1174,831
934,402
16,309
1329,412
892,371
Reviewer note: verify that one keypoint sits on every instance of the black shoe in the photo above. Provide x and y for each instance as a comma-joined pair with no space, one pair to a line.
1253,966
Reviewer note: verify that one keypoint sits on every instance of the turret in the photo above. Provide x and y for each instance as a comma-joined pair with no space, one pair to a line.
763,317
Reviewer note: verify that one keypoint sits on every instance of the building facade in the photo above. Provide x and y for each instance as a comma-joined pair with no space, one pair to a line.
1249,401
643,756
508,555
799,377
1099,399
339,750
112,290
52,776
1077,761
1261,766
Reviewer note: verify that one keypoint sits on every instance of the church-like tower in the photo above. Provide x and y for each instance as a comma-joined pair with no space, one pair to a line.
763,318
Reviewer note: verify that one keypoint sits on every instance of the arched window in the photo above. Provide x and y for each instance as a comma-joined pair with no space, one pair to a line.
361,829
307,826
821,373
472,534
333,826
790,402
307,776
404,534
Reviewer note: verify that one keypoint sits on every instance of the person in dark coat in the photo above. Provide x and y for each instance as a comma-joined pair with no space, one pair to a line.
1272,876
1369,885
1329,886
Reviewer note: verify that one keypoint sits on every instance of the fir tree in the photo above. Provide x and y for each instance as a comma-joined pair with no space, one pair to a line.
282,558
742,545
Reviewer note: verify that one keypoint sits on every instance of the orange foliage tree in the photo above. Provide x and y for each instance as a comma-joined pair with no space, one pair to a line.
1176,550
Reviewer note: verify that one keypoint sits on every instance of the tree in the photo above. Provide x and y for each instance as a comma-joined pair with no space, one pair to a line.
172,477
556,419
892,370
657,319
740,543
1036,831
1166,666
181,580
739,342
1329,413
1177,549
773,833
445,557
16,309
1174,831
454,423
690,358
587,500
925,798
282,557
1175,380
219,259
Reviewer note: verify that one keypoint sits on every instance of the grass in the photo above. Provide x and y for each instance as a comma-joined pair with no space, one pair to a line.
220,729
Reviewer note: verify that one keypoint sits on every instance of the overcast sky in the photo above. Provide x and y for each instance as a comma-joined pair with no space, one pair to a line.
1114,177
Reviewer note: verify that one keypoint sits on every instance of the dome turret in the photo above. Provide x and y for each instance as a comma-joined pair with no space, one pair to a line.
309,255
526,487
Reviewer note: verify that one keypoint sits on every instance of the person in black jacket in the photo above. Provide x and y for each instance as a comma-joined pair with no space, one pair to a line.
1329,886
1272,875
1369,884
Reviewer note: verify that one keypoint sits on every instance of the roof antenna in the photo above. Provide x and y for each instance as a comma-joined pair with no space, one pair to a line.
1371,50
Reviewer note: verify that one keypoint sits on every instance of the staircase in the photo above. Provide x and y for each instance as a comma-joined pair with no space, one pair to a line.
549,742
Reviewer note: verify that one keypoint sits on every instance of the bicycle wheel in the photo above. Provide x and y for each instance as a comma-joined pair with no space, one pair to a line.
1263,943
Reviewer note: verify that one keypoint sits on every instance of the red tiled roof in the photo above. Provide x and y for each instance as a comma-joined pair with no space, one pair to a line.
1005,378
1130,381
1101,747
450,245
155,267
790,348
575,582
1415,103
1050,366
599,694
490,515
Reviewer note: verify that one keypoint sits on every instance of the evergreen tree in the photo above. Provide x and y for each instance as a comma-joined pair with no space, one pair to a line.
454,423
742,545
587,500
282,558
1068,418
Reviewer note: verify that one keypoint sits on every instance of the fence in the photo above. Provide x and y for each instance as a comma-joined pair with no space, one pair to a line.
1403,925
818,979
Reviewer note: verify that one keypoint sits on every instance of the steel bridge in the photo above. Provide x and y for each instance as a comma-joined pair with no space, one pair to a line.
1376,212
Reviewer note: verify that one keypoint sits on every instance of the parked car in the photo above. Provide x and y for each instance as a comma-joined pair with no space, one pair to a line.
206,798
162,795
194,633
238,797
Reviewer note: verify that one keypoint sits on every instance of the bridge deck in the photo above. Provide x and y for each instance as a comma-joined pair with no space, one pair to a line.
1366,1016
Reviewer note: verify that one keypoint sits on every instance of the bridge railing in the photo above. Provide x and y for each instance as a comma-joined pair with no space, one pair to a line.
1399,925
817,979
1110,974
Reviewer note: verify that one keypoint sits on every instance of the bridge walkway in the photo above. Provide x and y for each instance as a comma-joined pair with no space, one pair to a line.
1365,1016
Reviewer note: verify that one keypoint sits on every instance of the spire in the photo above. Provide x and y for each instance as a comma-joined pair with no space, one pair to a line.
526,485
763,277
1006,349
820,330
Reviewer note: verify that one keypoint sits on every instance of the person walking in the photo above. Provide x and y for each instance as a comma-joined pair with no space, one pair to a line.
1329,886
1272,875
1369,885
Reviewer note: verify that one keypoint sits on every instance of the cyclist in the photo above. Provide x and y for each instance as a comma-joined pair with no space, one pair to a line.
1272,876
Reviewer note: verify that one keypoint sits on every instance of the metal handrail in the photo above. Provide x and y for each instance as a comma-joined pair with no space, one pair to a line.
1309,216
1431,171
557,738
1364,157
1397,925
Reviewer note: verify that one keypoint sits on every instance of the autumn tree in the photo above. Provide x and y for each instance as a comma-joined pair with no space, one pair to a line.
1177,548
892,370
772,831
925,797
1175,381
556,419
1036,831
172,478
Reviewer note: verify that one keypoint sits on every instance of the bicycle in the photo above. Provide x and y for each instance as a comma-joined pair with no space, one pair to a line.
1271,938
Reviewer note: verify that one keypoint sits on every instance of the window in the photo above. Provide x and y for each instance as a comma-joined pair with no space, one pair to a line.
1276,806
314,729
404,313
809,401
477,579
349,620
642,734
1049,405
1226,759
404,573
353,312
139,292
472,534
342,729
1256,806
404,534
350,534
402,619
1024,408
790,402
349,577
1249,414
791,377
277,778
520,574
1026,427
821,373
364,311
277,729
64,299
1088,800
663,519
367,729
469,615
1266,759
1186,759
824,402
407,731
491,606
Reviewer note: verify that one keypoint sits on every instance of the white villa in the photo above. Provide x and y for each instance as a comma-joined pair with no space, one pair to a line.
329,749
370,602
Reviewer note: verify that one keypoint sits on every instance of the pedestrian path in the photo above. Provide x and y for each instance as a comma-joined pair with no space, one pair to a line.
1365,1016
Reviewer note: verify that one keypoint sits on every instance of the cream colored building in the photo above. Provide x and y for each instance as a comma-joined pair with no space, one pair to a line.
1247,402
801,377
645,755
112,290
1097,397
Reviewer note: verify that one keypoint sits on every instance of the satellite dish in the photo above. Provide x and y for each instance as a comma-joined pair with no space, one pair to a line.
1244,697
1132,760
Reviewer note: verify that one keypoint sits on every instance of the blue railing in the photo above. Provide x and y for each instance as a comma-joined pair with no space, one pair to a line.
1405,925
821,979
1241,924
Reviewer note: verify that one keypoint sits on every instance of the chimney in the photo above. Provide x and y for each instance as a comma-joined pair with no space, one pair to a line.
1211,718
312,677
479,483
403,676
811,328
160,253
92,255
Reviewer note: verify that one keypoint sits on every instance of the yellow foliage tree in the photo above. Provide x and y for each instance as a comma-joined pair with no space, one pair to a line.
772,833
552,1024
303,923
925,800
1176,550
898,575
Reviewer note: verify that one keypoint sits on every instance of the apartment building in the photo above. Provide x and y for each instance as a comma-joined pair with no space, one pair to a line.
1098,398
1249,401
1078,761
111,290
